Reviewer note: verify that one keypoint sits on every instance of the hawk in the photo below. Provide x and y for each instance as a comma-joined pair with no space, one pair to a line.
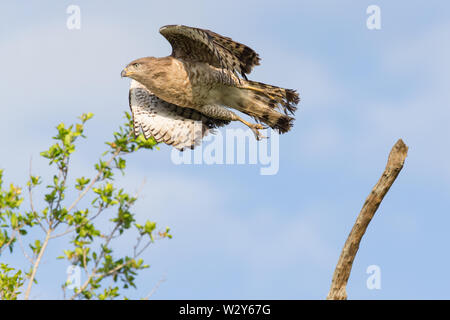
180,98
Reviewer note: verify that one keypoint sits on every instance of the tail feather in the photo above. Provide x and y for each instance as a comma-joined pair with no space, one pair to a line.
280,98
266,103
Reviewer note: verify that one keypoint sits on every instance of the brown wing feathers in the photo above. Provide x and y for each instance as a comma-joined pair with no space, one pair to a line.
246,56
202,45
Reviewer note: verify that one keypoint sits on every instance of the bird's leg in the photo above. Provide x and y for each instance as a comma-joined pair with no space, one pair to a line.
223,113
254,127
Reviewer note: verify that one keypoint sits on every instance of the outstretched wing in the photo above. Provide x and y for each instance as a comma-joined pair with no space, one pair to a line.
202,45
166,122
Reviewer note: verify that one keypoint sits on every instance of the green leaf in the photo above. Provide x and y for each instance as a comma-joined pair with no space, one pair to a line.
14,221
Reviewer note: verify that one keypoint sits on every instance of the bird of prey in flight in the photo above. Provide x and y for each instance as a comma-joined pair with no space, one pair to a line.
178,99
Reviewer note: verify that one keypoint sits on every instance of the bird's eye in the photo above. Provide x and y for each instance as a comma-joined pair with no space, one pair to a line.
136,65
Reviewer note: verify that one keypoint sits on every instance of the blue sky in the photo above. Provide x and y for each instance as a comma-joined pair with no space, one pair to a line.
237,234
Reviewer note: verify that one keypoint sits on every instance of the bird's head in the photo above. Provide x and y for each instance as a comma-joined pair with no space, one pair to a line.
137,69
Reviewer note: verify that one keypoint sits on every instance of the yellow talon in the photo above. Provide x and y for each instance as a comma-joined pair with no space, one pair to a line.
255,127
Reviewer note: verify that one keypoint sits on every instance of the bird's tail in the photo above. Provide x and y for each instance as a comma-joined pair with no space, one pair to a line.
266,103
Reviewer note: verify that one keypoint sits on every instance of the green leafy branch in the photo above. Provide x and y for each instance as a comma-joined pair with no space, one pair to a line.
90,247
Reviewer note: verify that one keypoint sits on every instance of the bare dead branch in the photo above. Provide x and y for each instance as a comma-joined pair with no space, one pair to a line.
344,266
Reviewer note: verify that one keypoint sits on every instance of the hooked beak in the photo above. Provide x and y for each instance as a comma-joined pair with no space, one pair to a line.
124,73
